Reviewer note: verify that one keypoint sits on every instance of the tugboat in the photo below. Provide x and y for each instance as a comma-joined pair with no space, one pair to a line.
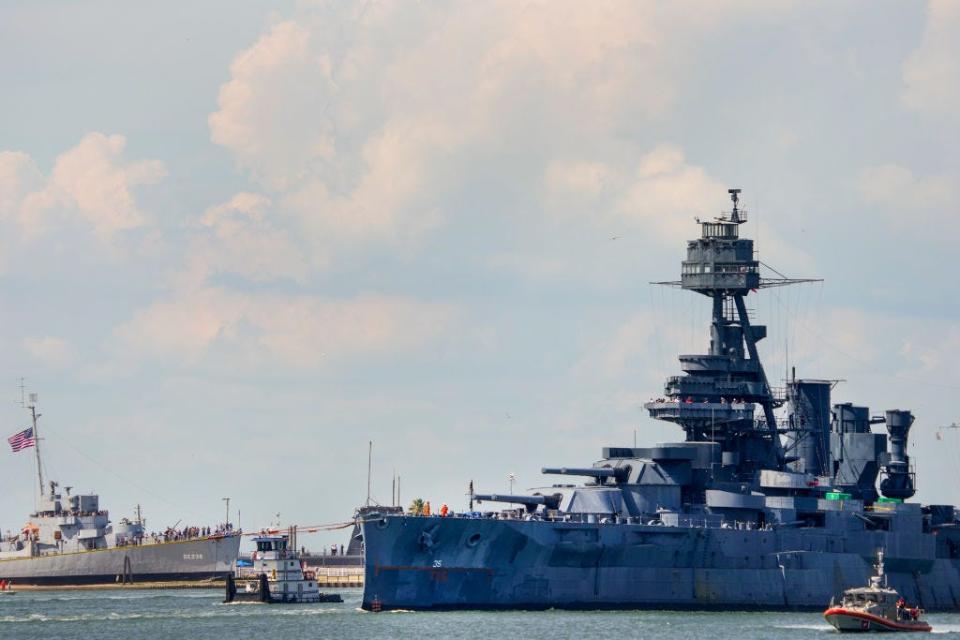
279,576
876,607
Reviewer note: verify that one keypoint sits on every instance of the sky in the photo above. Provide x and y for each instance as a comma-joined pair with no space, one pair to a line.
241,240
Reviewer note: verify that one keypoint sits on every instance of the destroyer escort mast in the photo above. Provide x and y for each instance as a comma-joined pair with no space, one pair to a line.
746,512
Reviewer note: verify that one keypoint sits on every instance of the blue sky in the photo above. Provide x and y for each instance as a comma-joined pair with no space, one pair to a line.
242,239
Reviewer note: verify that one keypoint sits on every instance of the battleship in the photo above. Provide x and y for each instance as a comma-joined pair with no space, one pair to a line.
71,540
776,498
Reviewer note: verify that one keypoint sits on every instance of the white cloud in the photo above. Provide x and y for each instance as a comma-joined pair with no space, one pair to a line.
238,237
910,203
392,197
577,177
244,330
896,186
368,120
667,193
91,184
272,111
629,344
49,350
931,73
251,205
19,176
661,195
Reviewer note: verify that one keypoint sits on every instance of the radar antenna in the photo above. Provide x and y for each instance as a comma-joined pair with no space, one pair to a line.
735,197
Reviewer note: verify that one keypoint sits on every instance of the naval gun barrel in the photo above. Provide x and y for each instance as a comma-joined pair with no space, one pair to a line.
620,473
530,502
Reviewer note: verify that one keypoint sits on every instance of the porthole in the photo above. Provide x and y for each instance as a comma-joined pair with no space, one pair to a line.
473,540
383,523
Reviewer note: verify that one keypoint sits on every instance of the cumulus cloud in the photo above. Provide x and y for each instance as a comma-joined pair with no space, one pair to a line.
272,110
668,192
930,73
49,350
662,193
238,237
253,329
904,199
896,186
92,185
19,176
368,120
613,355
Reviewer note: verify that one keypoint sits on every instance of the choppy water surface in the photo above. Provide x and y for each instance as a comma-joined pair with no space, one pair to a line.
199,615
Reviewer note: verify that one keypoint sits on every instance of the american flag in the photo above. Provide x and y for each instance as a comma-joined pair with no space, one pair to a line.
22,440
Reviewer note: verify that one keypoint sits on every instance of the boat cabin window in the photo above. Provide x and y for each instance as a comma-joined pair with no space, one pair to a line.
271,545
864,597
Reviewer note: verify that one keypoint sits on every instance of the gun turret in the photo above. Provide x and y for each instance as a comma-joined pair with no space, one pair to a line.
619,473
529,502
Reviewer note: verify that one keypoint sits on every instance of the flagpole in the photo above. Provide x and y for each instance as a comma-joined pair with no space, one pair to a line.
36,438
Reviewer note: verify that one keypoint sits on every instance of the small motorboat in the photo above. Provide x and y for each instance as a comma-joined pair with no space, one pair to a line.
6,588
876,607
278,575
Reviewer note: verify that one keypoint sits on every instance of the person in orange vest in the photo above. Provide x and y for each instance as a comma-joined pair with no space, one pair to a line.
426,508
444,510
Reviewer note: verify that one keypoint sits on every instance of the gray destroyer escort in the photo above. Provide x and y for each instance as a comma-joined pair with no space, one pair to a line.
749,511
70,539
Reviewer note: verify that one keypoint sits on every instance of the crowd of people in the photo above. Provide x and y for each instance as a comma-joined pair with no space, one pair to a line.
191,533
690,400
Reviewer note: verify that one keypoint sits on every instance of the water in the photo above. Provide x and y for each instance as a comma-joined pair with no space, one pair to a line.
198,614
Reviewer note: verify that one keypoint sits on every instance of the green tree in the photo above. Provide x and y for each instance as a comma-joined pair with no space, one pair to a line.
416,507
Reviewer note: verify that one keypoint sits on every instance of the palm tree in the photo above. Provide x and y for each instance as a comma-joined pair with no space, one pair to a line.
416,507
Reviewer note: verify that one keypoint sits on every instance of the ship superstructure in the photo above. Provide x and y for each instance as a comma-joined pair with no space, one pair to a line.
747,511
70,539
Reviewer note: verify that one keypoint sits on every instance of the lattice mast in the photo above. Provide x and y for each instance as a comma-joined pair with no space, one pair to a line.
721,387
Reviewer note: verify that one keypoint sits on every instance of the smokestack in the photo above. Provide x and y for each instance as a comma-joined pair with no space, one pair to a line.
898,481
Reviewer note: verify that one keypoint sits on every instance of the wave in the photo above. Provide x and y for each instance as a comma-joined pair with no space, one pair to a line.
192,614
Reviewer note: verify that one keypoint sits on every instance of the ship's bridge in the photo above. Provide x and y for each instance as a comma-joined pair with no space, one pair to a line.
271,543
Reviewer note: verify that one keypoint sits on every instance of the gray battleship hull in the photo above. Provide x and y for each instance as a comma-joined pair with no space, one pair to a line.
197,559
462,563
